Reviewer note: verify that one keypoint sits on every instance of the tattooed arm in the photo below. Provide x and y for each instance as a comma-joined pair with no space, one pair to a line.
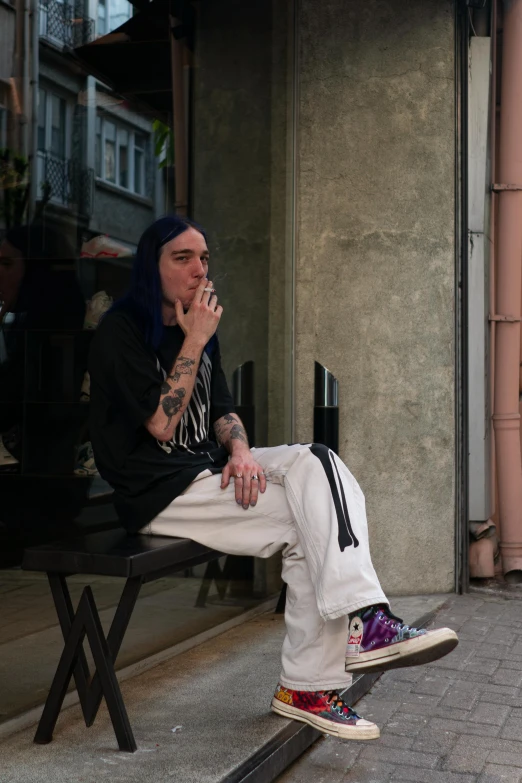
242,465
176,391
230,433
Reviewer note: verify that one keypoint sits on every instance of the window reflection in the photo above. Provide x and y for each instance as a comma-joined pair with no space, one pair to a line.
83,171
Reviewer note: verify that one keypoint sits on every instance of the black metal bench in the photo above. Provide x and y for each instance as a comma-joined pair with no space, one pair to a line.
138,559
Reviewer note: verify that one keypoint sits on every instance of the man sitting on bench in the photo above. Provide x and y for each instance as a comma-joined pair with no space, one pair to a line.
166,437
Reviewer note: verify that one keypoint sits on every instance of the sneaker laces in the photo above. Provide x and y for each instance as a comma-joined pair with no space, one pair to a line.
385,612
337,703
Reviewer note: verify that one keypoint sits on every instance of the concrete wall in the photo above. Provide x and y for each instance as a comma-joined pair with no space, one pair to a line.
240,188
375,265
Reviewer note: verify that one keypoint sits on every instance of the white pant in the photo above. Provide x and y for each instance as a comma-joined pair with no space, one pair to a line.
312,509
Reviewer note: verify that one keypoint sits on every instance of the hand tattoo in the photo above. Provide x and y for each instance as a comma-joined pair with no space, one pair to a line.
183,366
172,404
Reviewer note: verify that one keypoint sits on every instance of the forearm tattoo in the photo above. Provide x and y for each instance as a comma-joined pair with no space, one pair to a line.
172,404
229,428
238,432
183,366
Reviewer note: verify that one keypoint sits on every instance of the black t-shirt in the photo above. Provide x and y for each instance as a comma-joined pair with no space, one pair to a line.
126,377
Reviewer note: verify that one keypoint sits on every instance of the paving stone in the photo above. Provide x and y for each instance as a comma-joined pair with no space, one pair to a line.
498,652
465,727
516,713
394,690
517,648
459,698
409,725
492,714
453,713
495,773
483,665
432,685
505,676
513,664
505,758
412,699
377,710
502,634
413,674
401,742
430,741
492,697
477,626
489,743
366,772
430,776
493,611
512,729
378,752
466,759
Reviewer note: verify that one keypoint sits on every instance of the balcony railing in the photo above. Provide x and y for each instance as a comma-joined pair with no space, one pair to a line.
64,24
66,183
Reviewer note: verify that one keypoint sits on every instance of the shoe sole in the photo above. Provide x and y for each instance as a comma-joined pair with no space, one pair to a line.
370,732
411,652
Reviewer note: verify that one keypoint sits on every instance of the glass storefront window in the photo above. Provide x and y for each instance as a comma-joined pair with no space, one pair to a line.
75,167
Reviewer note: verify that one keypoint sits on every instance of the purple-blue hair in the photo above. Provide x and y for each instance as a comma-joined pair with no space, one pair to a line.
143,300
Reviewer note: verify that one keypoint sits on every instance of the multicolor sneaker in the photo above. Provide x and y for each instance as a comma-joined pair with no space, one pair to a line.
324,710
378,641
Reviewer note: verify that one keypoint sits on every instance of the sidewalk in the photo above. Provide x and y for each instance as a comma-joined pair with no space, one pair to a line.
458,720
202,716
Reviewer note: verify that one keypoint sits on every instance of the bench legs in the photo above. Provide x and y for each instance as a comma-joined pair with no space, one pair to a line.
91,690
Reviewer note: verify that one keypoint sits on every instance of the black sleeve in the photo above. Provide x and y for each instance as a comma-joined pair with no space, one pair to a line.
221,401
126,369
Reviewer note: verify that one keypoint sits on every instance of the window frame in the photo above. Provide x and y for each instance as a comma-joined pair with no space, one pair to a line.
109,27
122,128
47,149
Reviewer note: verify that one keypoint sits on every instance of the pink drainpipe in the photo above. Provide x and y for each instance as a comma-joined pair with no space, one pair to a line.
506,417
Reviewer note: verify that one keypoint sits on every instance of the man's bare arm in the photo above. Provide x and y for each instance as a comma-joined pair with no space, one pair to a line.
230,433
176,391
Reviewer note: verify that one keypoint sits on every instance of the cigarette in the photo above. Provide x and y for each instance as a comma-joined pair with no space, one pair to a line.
209,289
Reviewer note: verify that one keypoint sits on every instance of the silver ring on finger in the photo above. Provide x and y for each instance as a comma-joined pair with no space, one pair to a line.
238,475
254,478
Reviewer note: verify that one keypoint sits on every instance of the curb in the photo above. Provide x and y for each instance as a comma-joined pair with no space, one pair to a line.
272,759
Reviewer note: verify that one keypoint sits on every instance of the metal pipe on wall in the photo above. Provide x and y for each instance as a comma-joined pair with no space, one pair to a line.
493,249
506,418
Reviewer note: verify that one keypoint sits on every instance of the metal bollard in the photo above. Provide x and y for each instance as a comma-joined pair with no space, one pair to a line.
326,408
243,392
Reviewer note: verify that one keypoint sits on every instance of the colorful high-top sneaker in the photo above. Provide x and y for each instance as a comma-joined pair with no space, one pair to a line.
324,710
378,641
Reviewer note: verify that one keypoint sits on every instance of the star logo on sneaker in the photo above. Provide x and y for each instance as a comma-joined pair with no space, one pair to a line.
355,635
